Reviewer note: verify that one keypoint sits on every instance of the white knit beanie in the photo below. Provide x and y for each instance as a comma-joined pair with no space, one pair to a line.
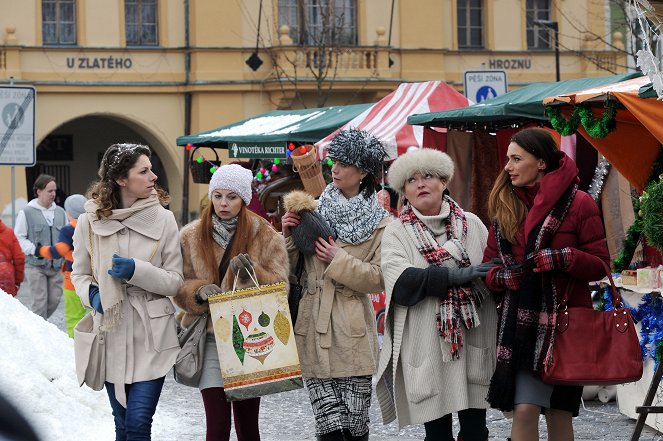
232,177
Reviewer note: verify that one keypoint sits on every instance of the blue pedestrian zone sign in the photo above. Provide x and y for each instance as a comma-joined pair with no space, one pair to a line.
482,85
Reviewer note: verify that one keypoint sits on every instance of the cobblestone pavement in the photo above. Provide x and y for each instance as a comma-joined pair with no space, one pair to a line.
288,416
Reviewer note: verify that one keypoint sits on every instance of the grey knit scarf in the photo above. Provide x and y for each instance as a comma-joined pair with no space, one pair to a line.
223,230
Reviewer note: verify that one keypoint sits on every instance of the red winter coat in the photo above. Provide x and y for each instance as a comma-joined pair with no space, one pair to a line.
581,229
12,260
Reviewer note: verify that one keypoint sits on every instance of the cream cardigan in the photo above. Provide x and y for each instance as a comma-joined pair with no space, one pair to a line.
424,387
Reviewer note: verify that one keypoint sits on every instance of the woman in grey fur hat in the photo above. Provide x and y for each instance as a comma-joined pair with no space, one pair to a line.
335,330
439,344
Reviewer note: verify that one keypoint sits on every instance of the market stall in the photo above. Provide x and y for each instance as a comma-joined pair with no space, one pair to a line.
387,119
267,138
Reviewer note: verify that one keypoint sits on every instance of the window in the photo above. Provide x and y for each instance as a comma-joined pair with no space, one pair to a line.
140,18
58,21
320,22
470,24
538,37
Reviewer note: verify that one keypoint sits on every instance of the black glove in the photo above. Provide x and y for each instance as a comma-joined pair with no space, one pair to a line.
36,252
241,266
206,291
462,276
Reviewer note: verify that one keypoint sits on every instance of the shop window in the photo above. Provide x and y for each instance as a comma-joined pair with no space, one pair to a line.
140,18
538,37
470,24
320,22
58,21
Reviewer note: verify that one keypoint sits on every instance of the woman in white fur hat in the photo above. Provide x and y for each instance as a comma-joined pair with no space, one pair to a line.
335,330
439,343
216,248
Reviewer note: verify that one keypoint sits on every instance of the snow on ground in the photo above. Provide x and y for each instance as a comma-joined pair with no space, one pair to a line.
39,378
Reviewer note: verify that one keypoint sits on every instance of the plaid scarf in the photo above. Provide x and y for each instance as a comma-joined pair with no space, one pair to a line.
459,305
527,321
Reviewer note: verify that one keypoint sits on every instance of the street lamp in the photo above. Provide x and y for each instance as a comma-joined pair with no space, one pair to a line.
552,25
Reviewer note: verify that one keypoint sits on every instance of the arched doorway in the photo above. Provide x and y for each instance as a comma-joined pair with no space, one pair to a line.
73,151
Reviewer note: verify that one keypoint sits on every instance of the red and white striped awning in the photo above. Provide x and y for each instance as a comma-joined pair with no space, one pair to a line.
387,119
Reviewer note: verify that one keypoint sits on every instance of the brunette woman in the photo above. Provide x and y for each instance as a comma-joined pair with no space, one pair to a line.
550,239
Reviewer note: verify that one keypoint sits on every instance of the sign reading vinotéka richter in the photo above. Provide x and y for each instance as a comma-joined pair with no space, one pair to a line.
17,126
257,149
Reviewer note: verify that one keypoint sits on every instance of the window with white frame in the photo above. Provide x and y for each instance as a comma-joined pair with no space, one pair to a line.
470,24
140,17
58,21
538,36
320,22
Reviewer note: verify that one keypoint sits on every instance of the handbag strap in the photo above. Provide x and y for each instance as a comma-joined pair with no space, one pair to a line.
616,298
299,269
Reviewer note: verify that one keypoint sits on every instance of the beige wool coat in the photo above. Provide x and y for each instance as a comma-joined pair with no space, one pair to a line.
143,345
335,330
267,252
415,385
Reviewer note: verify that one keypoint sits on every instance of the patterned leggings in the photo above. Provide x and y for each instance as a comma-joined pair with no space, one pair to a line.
340,403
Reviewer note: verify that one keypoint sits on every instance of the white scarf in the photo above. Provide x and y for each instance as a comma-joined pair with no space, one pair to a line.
142,217
354,220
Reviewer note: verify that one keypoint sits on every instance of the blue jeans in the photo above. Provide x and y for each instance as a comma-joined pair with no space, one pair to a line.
135,422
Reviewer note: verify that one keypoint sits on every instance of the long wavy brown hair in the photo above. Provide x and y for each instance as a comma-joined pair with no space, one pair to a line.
244,235
503,204
115,164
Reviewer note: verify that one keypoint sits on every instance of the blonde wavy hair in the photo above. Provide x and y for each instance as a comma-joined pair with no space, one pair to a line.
115,164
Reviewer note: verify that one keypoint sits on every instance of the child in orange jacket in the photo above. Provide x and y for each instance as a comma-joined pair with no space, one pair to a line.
12,261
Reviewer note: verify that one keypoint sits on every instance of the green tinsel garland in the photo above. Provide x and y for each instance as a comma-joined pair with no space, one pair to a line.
623,259
582,114
659,351
651,203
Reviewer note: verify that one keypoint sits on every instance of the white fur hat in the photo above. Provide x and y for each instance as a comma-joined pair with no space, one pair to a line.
232,177
422,161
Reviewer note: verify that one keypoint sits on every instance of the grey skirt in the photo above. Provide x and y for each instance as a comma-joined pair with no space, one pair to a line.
211,376
531,390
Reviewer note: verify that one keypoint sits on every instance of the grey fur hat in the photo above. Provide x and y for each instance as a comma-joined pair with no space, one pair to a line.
422,161
359,148
311,226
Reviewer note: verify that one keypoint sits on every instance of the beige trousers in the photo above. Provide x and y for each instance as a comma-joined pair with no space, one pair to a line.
45,285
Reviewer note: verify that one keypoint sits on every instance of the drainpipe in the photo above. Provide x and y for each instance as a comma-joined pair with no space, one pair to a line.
187,115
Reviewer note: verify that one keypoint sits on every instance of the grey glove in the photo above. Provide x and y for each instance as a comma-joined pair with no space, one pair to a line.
205,291
462,276
241,266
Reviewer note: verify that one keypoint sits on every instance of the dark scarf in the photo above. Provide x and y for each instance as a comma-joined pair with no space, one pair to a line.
459,305
527,321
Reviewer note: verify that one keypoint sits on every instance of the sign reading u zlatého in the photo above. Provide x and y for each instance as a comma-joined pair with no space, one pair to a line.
17,126
257,149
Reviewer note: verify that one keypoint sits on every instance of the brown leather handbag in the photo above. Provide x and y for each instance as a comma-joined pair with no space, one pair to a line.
594,347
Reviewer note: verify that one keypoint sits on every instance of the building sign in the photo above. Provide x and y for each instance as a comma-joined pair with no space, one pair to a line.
510,63
481,85
17,126
257,149
99,62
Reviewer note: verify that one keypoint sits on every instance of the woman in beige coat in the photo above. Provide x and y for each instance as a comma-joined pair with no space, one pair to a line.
439,344
227,238
127,266
335,330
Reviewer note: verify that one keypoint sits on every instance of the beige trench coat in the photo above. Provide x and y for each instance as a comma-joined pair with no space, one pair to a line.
143,346
335,331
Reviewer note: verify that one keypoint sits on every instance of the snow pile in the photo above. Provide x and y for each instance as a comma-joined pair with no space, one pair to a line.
39,378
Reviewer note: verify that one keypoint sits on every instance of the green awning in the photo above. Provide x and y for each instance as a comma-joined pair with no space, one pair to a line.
525,103
279,126
647,91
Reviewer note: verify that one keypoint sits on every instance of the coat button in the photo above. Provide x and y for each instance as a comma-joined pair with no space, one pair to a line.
167,310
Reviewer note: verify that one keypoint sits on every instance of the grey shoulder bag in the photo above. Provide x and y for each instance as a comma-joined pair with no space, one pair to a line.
189,363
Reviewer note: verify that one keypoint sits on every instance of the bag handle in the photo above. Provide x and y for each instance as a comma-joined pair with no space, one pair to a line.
252,275
616,297
213,149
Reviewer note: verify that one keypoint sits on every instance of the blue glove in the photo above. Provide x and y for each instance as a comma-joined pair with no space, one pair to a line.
123,267
95,299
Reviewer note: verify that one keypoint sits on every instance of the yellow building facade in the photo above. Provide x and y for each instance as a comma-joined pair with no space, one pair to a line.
152,70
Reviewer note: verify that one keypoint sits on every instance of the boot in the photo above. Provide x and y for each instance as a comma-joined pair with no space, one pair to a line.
336,435
349,437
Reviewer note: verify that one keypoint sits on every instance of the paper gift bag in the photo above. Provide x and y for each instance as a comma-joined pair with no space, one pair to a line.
255,340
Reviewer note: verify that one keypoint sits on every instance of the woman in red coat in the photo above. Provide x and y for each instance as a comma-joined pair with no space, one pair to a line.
12,261
550,239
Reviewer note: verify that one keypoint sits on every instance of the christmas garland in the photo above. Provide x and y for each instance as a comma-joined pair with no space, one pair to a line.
582,114
651,205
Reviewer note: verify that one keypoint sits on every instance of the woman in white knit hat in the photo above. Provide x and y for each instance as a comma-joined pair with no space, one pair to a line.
439,344
216,249
335,329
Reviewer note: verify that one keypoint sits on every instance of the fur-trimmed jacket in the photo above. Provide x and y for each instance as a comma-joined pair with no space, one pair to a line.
267,252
